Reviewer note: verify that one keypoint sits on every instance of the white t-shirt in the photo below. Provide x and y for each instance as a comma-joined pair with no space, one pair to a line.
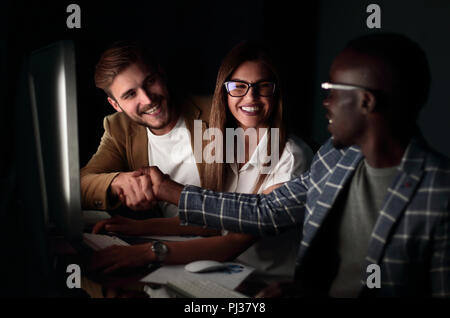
273,256
173,155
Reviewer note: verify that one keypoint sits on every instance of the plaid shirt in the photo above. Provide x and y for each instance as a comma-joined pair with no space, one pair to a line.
411,238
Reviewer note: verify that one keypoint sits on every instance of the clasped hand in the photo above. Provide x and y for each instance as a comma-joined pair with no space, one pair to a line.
138,189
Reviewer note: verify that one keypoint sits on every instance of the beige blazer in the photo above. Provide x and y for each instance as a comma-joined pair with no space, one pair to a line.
123,148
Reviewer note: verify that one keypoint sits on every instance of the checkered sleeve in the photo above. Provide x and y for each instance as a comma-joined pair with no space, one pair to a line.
260,214
440,261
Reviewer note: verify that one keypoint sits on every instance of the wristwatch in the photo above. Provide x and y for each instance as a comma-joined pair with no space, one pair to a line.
160,249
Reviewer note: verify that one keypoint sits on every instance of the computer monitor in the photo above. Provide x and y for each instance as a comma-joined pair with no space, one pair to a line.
53,96
45,199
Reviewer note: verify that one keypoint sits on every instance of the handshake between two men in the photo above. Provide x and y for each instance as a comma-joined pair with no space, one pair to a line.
141,189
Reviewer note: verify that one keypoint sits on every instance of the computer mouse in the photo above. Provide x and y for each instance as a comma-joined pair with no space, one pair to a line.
204,266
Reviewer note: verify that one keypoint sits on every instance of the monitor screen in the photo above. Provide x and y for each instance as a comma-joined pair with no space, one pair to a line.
54,109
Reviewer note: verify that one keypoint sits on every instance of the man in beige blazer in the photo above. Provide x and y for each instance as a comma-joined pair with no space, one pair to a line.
136,87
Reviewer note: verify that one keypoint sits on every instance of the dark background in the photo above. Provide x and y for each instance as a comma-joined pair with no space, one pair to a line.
426,22
192,37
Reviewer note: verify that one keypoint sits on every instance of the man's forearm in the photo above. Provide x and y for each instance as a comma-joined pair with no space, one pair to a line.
237,212
245,213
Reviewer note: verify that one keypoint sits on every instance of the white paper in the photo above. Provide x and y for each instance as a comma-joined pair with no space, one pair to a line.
227,279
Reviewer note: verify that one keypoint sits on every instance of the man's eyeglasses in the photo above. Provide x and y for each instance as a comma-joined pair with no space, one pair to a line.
346,87
241,88
379,94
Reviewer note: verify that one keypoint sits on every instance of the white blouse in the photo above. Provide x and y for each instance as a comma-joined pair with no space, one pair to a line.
274,256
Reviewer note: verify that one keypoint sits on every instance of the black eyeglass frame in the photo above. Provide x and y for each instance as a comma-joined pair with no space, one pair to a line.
254,85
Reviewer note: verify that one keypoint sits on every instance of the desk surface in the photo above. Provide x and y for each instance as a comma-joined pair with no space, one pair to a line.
123,283
94,283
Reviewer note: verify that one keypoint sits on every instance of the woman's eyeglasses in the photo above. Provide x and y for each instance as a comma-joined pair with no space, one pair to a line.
241,88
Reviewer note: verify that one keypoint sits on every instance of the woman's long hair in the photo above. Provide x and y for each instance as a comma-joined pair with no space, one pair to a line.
221,117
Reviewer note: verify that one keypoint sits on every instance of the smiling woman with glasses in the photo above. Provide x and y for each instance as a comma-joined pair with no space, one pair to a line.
249,95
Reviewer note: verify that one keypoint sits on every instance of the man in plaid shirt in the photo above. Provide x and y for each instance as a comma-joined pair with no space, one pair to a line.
374,208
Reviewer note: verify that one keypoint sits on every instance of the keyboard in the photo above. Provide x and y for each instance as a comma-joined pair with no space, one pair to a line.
98,241
202,289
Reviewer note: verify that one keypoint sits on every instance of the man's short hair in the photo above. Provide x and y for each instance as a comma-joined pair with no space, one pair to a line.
407,61
118,57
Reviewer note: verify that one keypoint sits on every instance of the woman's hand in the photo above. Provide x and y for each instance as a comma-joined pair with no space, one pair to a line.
120,224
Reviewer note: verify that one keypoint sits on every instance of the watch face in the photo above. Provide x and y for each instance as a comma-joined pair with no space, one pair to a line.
160,249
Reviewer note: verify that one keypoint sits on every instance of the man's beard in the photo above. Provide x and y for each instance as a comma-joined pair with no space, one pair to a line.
141,122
